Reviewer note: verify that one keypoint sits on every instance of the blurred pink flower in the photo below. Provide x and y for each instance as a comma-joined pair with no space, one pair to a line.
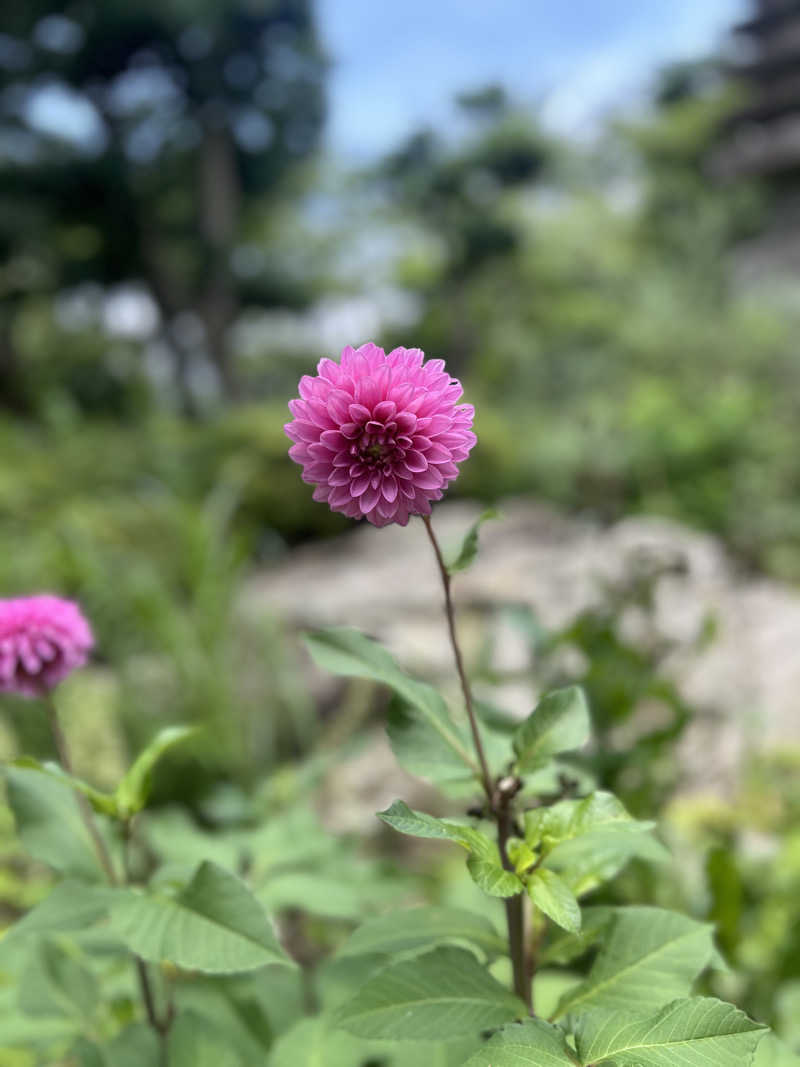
42,640
380,435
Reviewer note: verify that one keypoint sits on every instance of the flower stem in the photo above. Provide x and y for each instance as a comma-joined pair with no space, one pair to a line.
103,855
499,801
486,777
83,804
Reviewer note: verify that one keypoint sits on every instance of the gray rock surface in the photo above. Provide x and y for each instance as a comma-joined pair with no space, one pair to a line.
745,682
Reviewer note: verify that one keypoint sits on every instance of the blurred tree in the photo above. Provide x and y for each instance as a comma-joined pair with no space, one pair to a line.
136,143
456,193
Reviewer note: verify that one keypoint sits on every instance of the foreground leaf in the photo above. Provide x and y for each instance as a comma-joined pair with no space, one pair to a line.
50,824
214,925
553,896
469,546
102,803
347,652
650,956
698,1032
442,995
533,1043
559,723
68,906
402,931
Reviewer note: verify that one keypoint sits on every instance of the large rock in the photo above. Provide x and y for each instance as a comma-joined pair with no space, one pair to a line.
744,682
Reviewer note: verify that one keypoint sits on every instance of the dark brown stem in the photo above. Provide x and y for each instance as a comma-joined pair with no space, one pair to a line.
515,911
486,778
499,800
83,804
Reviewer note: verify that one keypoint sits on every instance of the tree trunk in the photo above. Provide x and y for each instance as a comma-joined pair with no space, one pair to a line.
219,205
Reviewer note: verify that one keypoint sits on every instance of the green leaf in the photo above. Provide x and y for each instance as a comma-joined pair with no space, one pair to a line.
533,1043
419,824
488,874
588,861
132,1047
50,824
345,651
134,789
421,749
553,896
194,1042
484,863
563,947
441,995
314,1043
774,1053
604,811
558,723
101,802
29,1032
69,906
338,896
650,956
55,982
469,546
699,1032
590,840
412,928
214,925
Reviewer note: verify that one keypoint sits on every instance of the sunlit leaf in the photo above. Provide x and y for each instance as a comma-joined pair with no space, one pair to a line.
649,957
553,896
559,723
698,1032
441,995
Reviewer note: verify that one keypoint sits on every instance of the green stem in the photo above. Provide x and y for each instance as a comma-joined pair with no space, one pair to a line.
499,802
104,857
486,778
84,806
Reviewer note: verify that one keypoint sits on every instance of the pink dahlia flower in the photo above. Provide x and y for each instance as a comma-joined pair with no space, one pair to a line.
42,640
380,436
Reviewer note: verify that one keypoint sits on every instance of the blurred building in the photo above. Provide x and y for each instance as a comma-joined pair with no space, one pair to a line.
762,139
765,133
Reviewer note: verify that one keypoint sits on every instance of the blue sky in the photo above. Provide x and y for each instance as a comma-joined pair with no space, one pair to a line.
398,65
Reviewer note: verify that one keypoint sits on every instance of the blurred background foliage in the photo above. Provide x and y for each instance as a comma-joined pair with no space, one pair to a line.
175,250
